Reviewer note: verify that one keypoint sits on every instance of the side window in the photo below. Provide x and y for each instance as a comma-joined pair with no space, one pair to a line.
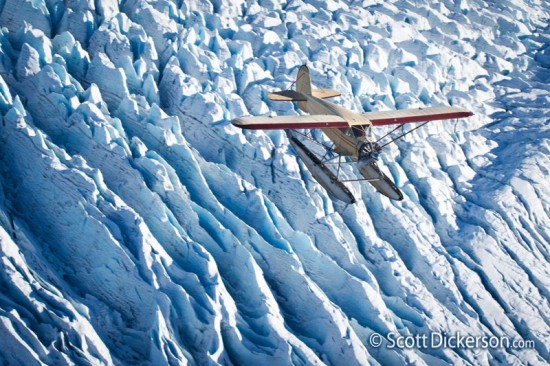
353,132
357,132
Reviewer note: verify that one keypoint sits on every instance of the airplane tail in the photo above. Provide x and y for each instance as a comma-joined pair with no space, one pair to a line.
303,88
303,81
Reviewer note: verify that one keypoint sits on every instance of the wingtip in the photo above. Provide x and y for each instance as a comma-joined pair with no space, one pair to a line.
238,122
466,112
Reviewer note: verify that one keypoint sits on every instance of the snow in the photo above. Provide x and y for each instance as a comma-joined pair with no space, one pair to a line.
138,226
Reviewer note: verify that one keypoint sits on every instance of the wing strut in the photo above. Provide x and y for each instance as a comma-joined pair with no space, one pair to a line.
389,133
400,136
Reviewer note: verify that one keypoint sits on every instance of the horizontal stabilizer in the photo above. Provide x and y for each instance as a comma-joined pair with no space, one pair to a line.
286,96
414,115
325,93
290,122
294,96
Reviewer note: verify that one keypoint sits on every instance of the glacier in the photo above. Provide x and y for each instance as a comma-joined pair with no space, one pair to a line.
138,226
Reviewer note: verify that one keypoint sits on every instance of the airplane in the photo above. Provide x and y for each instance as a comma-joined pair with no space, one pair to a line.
349,132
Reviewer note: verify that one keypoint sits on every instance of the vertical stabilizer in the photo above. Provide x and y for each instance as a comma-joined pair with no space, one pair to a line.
303,85
303,81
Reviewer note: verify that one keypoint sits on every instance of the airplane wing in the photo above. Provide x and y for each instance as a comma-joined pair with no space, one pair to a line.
332,121
413,115
290,122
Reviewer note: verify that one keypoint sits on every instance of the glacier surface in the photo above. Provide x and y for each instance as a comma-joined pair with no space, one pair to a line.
138,226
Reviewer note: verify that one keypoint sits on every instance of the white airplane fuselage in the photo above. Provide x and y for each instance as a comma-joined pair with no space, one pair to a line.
345,142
